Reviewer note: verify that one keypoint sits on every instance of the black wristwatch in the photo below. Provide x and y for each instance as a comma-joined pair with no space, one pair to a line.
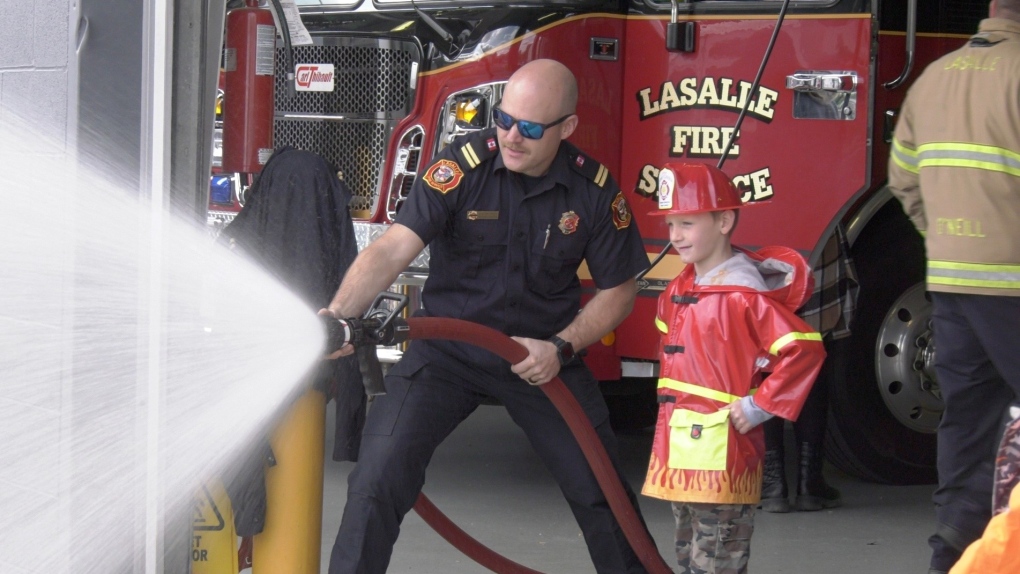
564,350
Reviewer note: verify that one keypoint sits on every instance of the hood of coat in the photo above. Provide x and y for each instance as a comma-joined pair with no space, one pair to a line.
787,276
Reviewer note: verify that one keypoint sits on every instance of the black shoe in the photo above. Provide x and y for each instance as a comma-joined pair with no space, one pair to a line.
774,493
812,491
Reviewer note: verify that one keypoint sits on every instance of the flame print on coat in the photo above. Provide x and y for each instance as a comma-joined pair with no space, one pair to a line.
717,342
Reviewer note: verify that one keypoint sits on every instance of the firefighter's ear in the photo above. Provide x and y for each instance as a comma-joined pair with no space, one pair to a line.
568,126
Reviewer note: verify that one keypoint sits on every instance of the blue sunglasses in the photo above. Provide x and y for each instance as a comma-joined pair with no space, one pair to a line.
530,130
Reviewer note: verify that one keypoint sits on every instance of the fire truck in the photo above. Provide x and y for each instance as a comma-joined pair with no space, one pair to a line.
659,81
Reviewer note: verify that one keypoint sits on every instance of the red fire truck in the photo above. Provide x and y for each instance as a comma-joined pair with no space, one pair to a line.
662,80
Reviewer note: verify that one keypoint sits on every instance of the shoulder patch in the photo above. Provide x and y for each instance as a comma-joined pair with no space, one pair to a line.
590,169
443,176
621,212
476,149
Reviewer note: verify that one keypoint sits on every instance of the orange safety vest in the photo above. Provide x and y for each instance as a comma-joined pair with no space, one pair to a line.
998,550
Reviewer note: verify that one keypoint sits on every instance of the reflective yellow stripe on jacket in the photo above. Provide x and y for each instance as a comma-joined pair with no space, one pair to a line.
956,154
987,275
903,156
791,337
692,389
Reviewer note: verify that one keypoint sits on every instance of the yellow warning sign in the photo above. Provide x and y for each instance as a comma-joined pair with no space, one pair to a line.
213,541
206,515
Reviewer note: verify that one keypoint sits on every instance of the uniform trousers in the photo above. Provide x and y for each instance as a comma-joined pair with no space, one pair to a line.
977,362
423,404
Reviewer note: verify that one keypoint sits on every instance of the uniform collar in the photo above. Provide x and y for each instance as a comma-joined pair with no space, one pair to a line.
999,25
559,171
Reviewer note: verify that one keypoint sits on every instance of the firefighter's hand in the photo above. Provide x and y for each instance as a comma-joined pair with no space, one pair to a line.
541,364
342,351
738,418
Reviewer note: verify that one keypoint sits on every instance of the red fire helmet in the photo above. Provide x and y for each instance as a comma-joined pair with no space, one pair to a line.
694,188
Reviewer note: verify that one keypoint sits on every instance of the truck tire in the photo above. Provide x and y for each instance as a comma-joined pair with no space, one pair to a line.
868,437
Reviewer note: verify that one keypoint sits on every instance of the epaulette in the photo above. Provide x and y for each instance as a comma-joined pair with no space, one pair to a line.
590,169
475,149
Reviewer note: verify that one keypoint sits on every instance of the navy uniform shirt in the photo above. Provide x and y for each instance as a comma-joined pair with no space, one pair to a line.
505,248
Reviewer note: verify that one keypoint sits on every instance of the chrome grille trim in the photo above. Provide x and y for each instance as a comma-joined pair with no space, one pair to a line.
406,169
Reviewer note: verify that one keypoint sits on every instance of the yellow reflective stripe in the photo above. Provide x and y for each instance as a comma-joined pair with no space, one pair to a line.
976,156
700,391
601,175
469,155
661,325
794,336
904,156
987,275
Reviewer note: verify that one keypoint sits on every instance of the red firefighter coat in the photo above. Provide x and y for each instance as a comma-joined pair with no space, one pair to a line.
717,340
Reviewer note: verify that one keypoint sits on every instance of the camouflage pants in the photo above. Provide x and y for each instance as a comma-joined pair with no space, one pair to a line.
713,538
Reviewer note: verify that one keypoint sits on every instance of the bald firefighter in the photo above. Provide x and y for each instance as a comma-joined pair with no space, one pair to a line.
508,214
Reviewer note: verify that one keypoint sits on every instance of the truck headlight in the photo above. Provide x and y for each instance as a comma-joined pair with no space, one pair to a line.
467,111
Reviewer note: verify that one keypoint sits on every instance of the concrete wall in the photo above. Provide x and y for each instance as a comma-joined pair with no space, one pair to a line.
73,498
70,87
37,72
37,86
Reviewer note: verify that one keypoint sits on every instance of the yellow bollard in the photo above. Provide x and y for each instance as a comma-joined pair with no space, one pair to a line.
292,539
213,539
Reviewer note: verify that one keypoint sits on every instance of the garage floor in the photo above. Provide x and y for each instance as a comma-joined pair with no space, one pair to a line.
486,479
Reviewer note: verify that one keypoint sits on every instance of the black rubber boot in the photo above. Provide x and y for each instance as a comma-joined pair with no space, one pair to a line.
775,497
812,491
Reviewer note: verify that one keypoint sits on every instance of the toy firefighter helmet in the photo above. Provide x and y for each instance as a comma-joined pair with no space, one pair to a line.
686,188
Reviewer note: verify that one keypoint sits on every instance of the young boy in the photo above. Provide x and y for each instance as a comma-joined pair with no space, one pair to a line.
724,320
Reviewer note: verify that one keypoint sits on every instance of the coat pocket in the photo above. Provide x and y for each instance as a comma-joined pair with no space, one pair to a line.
698,441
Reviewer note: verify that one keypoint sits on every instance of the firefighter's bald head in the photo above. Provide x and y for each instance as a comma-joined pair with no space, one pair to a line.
1005,9
549,80
542,94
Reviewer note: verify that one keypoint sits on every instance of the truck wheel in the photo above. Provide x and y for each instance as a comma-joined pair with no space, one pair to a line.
883,402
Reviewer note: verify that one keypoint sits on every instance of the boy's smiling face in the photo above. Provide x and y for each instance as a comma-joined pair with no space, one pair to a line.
701,239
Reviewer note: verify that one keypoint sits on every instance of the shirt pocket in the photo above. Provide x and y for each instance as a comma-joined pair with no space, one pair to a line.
698,441
554,262
478,245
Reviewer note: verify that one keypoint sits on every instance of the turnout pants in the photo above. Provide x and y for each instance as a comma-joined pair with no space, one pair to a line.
977,361
423,404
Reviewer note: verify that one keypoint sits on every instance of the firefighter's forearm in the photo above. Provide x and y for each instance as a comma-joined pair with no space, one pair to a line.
601,315
374,270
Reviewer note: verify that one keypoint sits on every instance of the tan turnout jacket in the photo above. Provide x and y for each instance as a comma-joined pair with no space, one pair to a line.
955,163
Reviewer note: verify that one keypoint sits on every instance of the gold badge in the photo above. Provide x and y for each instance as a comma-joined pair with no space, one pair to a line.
443,176
621,212
568,222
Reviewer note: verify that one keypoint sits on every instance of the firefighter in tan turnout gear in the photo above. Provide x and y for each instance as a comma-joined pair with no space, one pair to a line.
955,167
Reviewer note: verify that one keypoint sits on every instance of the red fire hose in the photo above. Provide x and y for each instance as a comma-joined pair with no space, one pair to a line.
580,426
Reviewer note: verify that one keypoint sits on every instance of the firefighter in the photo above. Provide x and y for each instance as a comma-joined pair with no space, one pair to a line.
724,320
955,167
508,213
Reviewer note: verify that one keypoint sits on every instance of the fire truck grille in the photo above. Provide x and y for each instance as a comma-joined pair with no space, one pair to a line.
351,125
368,80
355,148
